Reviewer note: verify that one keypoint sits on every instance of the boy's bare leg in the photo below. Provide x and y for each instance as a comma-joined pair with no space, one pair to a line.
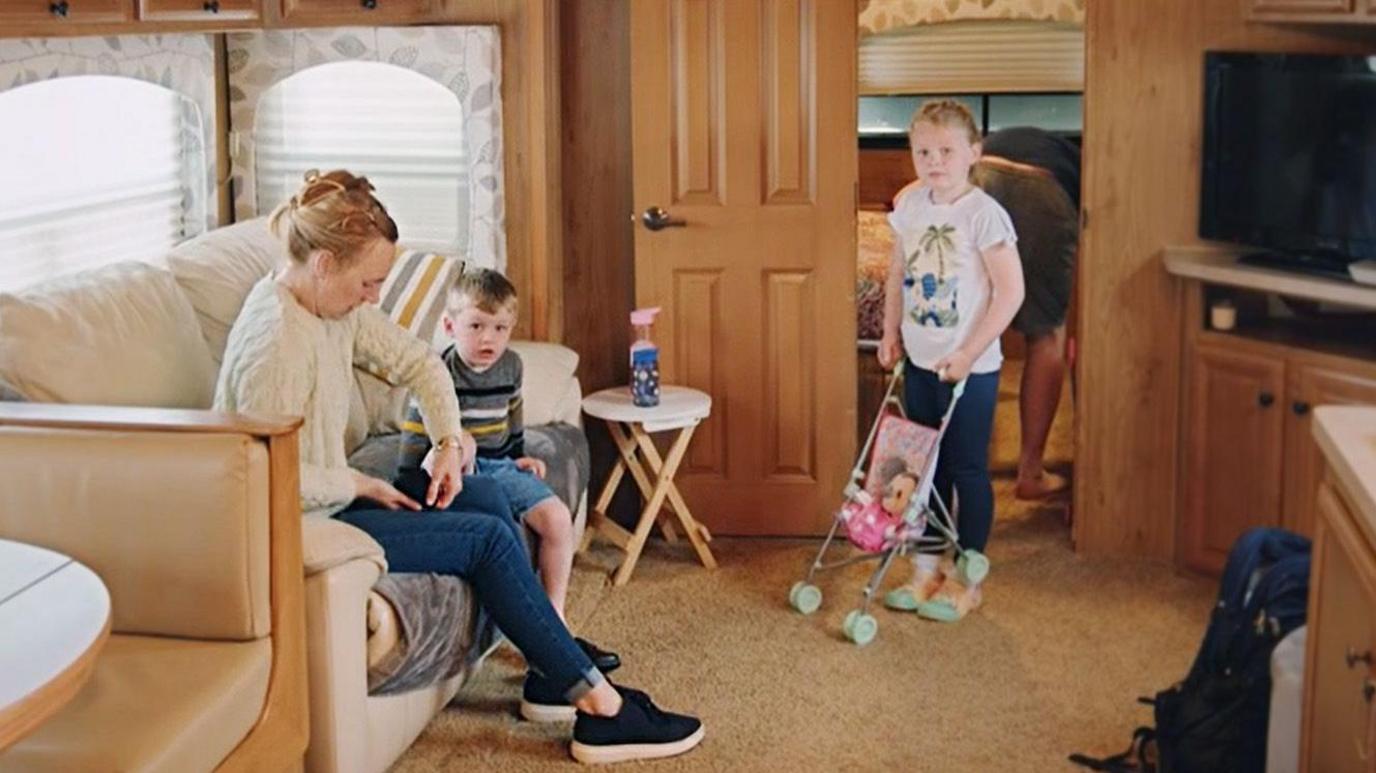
1042,377
552,521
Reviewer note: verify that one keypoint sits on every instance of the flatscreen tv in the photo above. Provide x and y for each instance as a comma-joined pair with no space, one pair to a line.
1290,158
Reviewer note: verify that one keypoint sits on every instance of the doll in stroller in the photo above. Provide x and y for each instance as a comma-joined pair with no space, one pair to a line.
890,509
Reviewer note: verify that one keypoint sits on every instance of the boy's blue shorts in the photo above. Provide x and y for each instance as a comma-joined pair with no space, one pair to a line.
523,489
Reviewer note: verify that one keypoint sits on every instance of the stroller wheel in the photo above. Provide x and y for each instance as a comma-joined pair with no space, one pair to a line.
860,627
973,566
805,598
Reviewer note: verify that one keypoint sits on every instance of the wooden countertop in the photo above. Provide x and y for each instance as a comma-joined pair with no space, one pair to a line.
1347,436
1220,266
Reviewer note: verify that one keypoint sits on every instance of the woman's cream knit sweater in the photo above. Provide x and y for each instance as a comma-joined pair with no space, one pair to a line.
282,359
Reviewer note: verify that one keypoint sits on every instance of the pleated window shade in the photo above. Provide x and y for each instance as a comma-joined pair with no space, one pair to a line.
402,130
974,57
95,171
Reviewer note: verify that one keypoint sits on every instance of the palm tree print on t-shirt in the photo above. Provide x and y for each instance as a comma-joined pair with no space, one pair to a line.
934,294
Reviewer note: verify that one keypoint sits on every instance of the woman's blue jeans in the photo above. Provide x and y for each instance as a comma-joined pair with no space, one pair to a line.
963,466
475,539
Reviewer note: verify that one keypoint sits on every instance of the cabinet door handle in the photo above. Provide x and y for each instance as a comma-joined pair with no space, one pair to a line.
1300,407
59,8
1266,399
369,4
211,6
1353,657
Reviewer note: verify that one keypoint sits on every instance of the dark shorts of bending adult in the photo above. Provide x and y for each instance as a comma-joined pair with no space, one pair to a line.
1048,228
477,539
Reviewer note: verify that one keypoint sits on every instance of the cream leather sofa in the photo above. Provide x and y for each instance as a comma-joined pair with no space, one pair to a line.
137,335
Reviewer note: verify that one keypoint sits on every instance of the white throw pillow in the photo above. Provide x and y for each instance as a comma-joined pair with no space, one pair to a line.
122,334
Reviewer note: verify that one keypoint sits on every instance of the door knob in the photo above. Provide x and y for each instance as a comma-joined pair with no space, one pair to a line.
1300,407
1266,399
657,219
211,6
59,8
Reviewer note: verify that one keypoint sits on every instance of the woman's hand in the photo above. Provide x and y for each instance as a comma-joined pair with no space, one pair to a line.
890,351
446,477
381,492
531,464
954,366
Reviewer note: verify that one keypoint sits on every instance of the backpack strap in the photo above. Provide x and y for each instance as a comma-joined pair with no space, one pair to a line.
1133,760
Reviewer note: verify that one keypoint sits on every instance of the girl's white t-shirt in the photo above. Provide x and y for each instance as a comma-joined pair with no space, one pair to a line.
946,286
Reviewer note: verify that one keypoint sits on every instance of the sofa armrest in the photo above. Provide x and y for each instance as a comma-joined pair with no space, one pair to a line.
327,543
124,489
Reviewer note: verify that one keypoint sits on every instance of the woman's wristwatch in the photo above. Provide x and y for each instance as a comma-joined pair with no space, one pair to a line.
450,441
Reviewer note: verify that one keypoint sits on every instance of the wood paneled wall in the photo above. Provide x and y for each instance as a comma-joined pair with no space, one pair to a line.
1142,150
598,250
883,173
599,255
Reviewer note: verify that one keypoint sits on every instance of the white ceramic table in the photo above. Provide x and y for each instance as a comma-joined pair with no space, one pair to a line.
680,409
54,618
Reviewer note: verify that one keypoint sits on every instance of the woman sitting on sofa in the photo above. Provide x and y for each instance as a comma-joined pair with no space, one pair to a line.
292,351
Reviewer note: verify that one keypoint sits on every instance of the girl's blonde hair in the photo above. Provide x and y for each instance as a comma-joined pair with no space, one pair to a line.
946,112
336,212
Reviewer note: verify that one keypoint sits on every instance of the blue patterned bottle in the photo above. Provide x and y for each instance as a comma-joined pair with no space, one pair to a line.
644,360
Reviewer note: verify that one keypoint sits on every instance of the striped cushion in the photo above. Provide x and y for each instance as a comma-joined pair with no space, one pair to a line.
413,295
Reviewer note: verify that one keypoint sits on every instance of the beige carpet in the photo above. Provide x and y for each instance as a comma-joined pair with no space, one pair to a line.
1052,664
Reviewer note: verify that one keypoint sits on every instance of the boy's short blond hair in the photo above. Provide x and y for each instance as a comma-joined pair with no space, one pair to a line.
484,288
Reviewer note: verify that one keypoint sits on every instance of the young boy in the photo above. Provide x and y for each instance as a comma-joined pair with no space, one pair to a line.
479,313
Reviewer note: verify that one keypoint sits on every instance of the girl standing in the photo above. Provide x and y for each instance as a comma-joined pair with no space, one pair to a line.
954,284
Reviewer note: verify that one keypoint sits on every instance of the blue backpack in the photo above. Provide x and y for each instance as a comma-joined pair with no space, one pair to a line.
1215,720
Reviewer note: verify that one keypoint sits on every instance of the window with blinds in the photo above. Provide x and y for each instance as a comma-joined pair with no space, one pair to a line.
96,169
402,130
973,57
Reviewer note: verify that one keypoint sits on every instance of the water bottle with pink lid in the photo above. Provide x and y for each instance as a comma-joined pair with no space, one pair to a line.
644,360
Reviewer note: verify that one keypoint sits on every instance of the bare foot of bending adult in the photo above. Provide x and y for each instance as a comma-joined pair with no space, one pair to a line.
1045,485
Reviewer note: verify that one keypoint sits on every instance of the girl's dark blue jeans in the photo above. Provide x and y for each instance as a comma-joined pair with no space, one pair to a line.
475,538
963,466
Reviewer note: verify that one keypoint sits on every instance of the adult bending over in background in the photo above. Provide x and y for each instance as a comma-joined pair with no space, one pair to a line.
292,351
1035,176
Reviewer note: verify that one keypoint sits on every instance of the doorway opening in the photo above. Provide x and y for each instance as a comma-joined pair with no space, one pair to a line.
1005,94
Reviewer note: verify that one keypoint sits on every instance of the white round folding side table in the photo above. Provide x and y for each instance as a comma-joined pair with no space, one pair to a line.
54,619
681,409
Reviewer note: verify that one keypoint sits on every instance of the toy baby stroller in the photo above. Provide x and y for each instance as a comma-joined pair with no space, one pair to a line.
892,512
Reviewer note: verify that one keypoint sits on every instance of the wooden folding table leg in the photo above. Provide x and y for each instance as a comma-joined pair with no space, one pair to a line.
597,519
627,448
698,534
663,485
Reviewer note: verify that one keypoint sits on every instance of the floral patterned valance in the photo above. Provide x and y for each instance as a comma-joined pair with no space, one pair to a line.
880,15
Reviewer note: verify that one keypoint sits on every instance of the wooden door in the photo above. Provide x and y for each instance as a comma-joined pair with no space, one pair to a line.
1234,452
1339,679
743,128
1310,386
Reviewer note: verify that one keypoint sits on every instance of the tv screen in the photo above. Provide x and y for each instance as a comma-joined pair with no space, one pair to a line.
1290,154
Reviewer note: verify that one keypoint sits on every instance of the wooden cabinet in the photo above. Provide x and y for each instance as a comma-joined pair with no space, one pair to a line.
207,11
63,14
1340,682
1249,457
1308,385
365,12
1321,11
1234,451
